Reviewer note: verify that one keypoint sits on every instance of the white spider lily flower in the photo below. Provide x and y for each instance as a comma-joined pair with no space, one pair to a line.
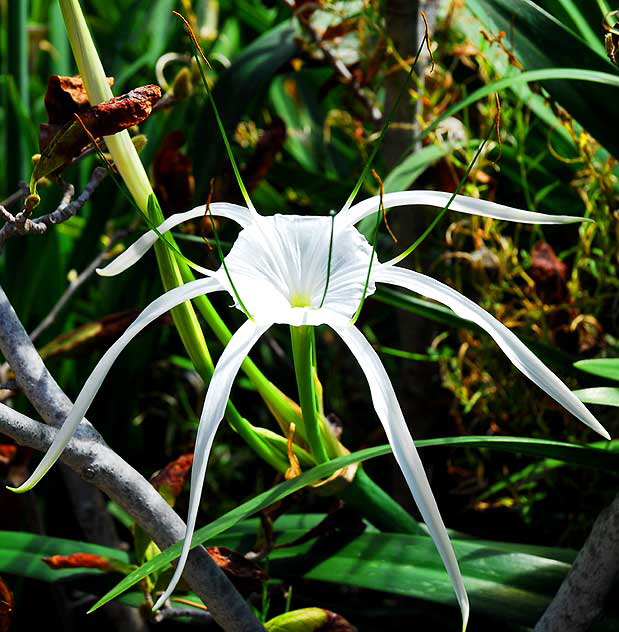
278,265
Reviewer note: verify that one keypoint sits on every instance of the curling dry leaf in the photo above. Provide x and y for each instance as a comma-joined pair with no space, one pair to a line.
104,119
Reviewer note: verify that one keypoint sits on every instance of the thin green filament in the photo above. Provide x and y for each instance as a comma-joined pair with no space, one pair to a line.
200,58
324,294
223,263
379,216
438,218
386,126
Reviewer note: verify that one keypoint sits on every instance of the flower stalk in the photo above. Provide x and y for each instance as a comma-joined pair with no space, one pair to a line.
303,353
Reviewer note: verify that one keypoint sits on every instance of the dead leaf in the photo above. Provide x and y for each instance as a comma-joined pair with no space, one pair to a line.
173,174
7,454
104,119
246,575
79,560
549,274
92,336
170,480
65,96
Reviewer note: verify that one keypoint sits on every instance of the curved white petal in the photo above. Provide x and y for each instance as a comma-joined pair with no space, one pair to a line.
461,203
390,414
212,413
522,358
158,307
239,214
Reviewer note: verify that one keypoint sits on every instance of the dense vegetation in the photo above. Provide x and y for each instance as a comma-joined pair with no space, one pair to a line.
303,90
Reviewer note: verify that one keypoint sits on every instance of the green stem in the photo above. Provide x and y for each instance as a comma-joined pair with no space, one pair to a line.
302,353
377,506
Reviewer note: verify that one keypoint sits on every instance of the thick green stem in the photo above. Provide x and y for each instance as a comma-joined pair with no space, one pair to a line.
302,353
377,506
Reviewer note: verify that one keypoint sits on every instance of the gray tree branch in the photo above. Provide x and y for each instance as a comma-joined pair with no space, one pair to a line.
98,464
21,224
580,599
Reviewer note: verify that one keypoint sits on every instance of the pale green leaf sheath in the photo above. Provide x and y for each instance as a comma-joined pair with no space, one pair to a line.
278,266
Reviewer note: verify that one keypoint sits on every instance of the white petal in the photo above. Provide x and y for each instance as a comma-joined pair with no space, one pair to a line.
279,268
158,307
239,214
390,414
461,203
212,413
516,351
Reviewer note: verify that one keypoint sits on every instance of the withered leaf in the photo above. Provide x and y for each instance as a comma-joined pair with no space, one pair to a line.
79,560
7,453
91,336
173,174
246,575
104,119
170,480
88,560
6,607
549,274
65,96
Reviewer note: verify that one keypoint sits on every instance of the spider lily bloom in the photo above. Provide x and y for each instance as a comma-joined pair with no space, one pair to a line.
278,267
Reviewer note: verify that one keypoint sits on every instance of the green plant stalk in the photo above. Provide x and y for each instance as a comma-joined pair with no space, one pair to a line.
302,355
370,500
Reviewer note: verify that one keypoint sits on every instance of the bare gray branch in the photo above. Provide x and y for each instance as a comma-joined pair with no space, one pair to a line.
21,224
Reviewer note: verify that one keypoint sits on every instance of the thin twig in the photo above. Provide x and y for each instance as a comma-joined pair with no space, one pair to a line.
21,224
75,285
16,196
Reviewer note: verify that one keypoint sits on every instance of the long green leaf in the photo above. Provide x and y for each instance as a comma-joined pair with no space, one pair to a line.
589,78
602,367
540,41
582,455
21,553
502,581
602,395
